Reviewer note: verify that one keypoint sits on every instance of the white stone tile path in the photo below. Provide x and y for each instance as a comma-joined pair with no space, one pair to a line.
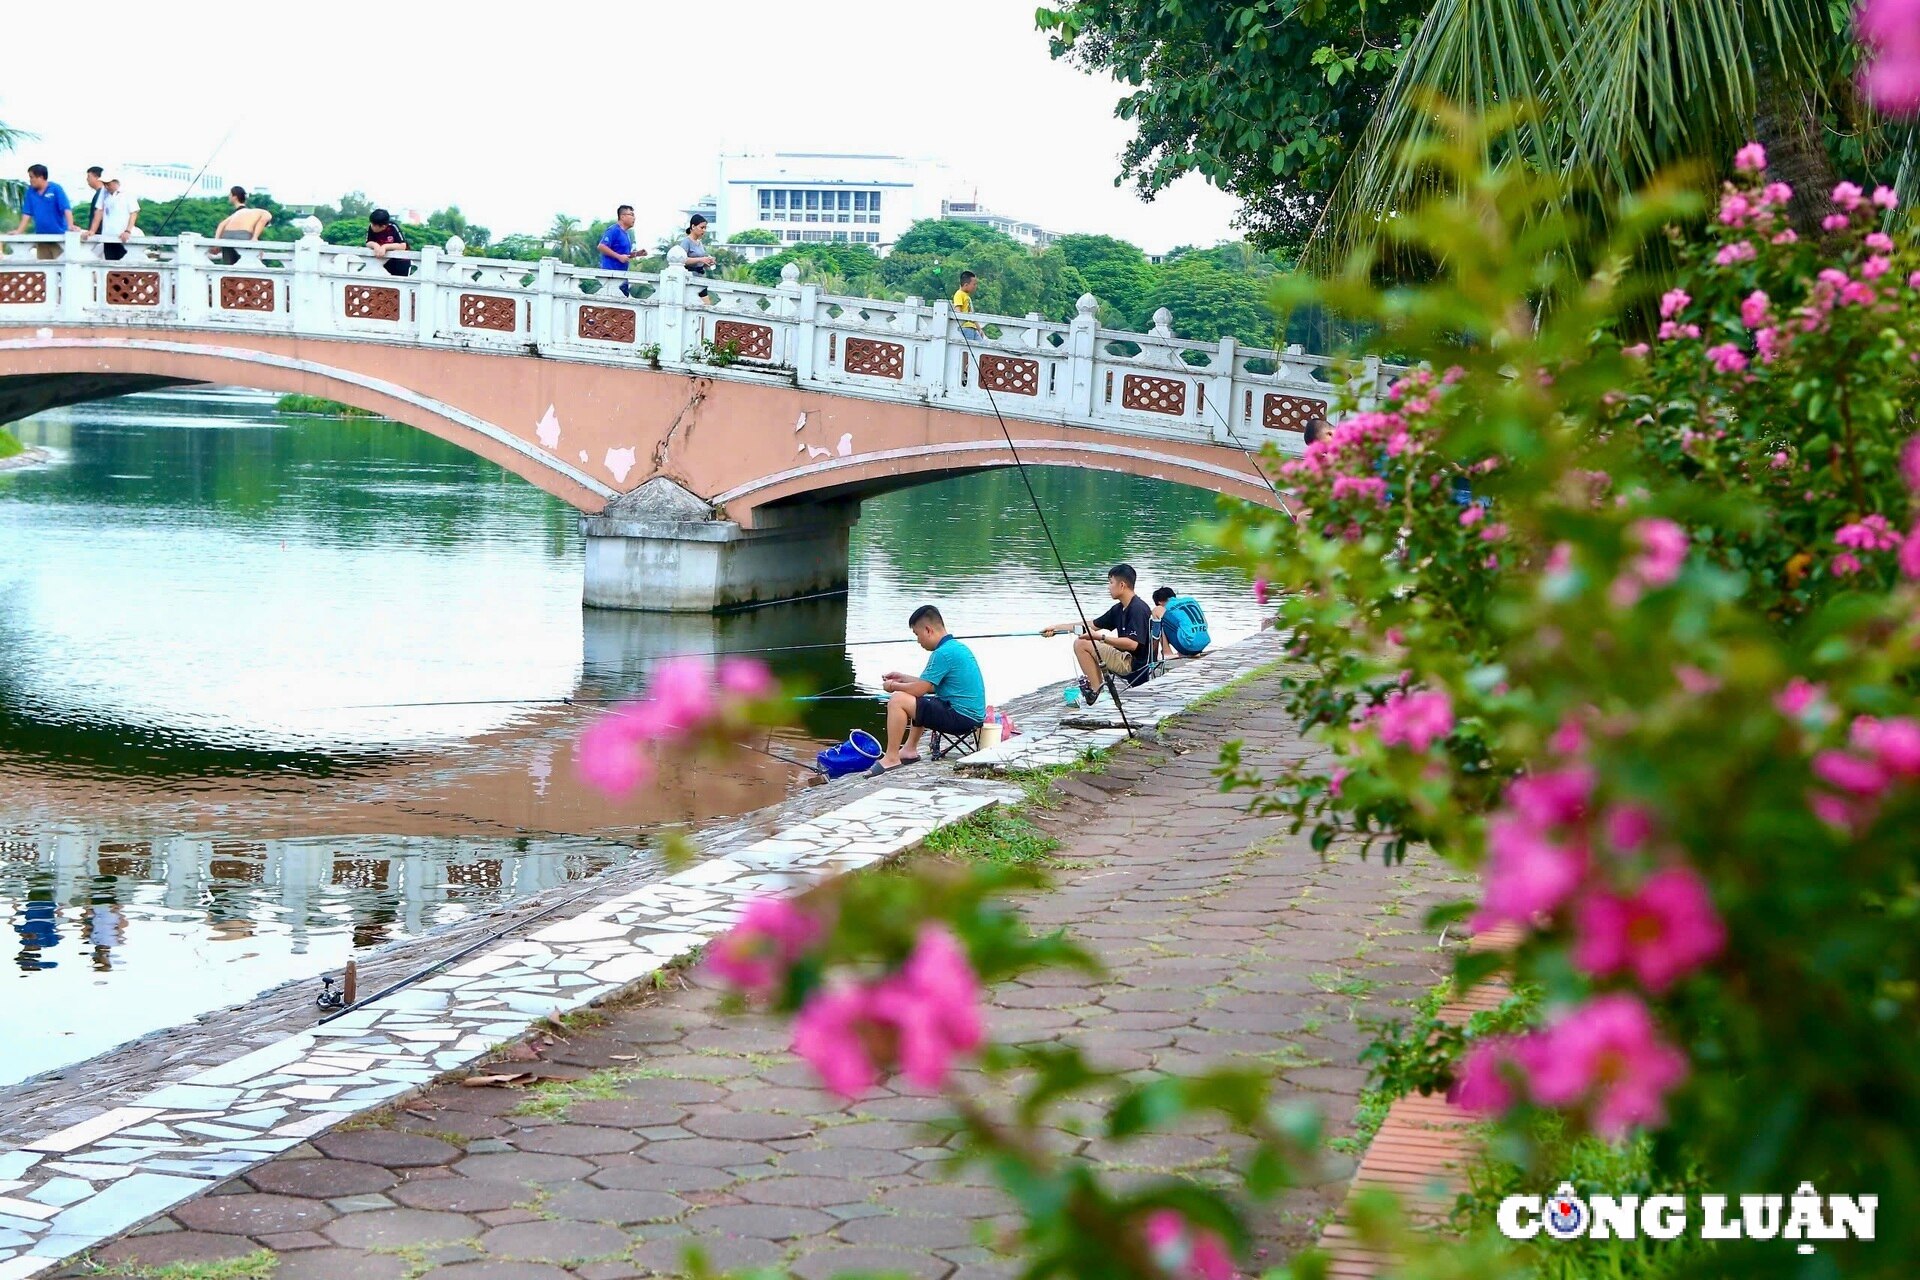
70,1190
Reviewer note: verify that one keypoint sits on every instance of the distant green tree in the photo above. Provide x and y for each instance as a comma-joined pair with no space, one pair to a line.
940,236
11,188
568,240
454,223
354,204
1209,302
518,248
1116,272
856,266
201,216
754,235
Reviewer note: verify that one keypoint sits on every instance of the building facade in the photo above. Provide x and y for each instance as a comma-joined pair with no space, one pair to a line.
150,182
1028,233
823,197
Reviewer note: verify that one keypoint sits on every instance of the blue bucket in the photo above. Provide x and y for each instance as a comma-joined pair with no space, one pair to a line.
855,755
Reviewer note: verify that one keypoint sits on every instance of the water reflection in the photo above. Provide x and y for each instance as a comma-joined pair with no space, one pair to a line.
275,689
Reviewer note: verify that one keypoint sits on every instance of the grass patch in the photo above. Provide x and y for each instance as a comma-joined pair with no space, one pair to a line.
10,444
999,835
320,407
1036,785
553,1097
258,1265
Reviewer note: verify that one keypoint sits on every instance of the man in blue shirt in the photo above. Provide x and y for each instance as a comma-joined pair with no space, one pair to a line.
948,695
616,244
45,208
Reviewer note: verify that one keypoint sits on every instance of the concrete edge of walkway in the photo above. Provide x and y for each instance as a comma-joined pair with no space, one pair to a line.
64,1192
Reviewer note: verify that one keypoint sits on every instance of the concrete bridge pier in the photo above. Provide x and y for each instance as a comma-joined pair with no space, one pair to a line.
660,550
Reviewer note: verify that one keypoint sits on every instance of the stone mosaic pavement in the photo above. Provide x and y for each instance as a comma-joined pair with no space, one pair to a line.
669,1124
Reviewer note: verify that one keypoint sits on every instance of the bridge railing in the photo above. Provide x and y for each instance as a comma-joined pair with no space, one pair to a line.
1074,372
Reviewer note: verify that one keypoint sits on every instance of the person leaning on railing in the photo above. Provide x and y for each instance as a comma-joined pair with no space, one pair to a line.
244,223
115,219
383,237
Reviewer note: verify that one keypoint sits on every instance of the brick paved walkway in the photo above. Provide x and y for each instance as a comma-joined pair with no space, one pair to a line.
1227,940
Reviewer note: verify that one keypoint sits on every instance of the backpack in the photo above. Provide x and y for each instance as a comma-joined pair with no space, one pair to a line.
1186,626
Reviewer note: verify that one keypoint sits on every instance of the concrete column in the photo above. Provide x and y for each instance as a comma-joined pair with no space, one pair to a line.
660,550
310,297
1081,340
76,279
427,294
1221,406
191,300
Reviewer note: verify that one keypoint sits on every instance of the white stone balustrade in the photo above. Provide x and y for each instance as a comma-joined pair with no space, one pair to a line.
1077,373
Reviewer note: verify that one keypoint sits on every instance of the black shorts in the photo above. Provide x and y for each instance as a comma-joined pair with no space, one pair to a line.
932,712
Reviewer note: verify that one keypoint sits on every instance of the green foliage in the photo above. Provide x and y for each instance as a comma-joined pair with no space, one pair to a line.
320,407
454,223
855,264
10,445
754,235
201,216
1115,271
352,205
258,1265
1267,100
1000,834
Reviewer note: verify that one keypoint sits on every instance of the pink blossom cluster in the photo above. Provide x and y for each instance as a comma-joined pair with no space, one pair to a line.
1605,1056
1880,754
1184,1250
684,697
1890,73
1660,551
919,1019
1415,720
756,955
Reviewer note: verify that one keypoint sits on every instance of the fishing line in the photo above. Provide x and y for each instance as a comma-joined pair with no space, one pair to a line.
1066,576
195,180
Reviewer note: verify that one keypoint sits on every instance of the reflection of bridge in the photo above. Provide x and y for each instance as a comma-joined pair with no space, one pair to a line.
719,450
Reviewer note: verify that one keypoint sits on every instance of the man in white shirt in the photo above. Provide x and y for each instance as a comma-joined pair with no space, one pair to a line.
116,220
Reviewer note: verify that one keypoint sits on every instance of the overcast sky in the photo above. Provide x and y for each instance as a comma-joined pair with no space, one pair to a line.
545,108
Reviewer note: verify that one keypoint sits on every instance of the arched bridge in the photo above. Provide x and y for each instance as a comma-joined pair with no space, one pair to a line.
719,448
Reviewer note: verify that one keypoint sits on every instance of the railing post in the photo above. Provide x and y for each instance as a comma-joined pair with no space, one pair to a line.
937,344
787,307
672,296
191,301
307,290
1221,406
805,338
545,302
76,279
1371,388
427,295
1081,341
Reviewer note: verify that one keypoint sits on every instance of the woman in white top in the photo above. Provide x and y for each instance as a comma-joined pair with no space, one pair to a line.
116,222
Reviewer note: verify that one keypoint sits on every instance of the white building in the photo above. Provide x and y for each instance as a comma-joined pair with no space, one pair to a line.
825,196
971,210
151,182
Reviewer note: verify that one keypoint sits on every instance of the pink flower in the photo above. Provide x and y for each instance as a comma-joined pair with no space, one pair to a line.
1753,309
1781,460
1727,358
1260,591
1663,549
1910,552
1528,873
1369,488
1913,280
1185,1251
1848,773
609,755
1910,464
1636,351
831,1034
1337,779
1875,267
1415,720
745,678
1751,158
1487,1074
1789,236
1893,743
1552,798
1665,931
1738,251
1628,826
1473,515
1735,209
756,953
1671,329
1767,342
1776,193
1673,302
1608,1054
1694,680
1879,241
1848,195
1870,534
1846,564
933,1006
1801,699
1834,222
1493,532
681,694
1886,198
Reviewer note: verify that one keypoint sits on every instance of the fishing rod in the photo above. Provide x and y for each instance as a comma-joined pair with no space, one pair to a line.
195,180
1066,576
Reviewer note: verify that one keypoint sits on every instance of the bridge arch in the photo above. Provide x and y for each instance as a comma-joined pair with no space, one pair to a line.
53,371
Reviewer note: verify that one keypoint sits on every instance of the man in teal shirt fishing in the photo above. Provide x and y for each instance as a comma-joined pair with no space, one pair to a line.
948,696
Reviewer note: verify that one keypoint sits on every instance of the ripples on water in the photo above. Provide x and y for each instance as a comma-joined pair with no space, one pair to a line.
272,689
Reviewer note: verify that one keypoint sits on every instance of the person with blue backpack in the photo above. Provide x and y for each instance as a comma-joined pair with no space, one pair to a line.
1180,626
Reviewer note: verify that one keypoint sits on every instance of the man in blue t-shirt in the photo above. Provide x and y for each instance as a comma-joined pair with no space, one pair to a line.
616,244
45,209
949,695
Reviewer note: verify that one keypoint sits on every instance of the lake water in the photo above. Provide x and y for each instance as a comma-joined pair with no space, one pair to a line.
276,688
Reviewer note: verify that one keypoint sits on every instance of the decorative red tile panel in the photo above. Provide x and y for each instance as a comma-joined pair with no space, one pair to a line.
875,359
606,324
485,311
1290,413
755,341
246,293
371,302
23,288
133,288
1011,374
1153,395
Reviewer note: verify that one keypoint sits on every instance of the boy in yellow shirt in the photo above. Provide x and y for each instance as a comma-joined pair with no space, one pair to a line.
963,299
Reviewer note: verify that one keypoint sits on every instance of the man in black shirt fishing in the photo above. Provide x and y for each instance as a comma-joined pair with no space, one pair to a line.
1118,645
